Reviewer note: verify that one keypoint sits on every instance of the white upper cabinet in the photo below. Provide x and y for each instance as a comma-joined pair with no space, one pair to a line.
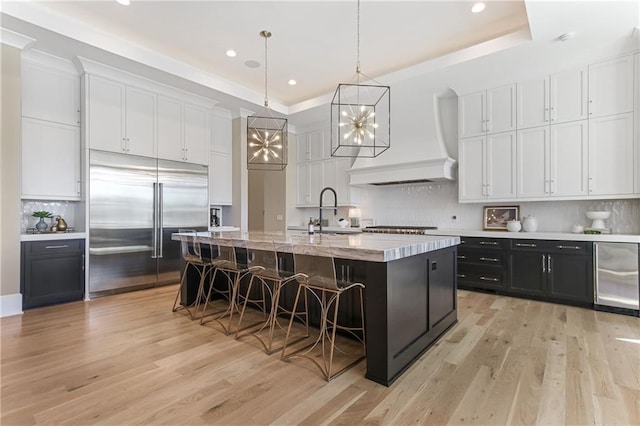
57,177
106,115
568,159
533,103
302,184
50,94
169,129
611,87
532,164
302,148
140,122
196,134
220,179
490,111
222,128
568,96
471,178
637,132
318,145
611,155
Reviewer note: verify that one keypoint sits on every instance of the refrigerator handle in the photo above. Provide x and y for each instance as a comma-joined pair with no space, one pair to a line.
160,218
154,243
595,273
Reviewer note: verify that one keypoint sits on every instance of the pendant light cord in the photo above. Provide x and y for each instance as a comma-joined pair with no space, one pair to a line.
266,97
358,43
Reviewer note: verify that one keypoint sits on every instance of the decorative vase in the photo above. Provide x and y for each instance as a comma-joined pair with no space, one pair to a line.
42,225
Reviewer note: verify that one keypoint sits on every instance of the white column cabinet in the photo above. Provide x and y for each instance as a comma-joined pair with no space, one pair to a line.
471,180
318,146
533,103
196,134
500,159
533,162
490,111
106,115
302,184
169,129
222,131
568,96
611,155
220,178
568,159
610,87
50,160
140,122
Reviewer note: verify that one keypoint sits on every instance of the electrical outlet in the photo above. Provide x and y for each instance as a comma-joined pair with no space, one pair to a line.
454,217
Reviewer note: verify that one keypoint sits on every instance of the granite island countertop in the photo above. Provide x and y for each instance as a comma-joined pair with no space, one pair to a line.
367,247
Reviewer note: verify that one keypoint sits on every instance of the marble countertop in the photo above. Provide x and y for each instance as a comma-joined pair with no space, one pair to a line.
54,236
367,247
614,238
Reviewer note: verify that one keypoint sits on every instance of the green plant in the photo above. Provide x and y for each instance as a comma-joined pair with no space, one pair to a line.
42,213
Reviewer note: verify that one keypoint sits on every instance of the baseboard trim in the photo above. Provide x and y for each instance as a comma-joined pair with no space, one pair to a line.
10,304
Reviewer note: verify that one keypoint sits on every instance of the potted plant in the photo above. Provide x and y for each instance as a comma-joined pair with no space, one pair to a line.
42,225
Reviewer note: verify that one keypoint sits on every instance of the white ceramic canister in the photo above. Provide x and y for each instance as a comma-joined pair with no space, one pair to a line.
529,224
514,226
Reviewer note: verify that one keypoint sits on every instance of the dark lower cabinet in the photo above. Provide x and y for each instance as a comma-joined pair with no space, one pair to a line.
570,277
528,273
52,272
482,263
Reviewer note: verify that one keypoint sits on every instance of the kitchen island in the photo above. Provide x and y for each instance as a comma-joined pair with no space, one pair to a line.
410,288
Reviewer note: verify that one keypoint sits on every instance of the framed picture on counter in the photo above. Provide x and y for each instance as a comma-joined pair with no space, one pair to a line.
495,218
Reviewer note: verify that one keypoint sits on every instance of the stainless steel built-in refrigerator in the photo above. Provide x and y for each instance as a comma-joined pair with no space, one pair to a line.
135,203
617,277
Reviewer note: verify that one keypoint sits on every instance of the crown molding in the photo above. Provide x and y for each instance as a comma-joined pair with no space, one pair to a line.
17,40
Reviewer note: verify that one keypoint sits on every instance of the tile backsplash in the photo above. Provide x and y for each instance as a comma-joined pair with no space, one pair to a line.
437,204
66,209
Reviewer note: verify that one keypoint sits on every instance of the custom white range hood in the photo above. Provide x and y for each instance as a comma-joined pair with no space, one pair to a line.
420,137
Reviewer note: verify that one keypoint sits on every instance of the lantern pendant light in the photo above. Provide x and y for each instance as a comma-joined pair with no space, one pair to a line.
266,134
360,114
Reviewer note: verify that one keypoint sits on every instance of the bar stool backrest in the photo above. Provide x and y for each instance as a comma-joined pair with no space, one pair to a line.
190,246
241,253
317,262
268,259
226,250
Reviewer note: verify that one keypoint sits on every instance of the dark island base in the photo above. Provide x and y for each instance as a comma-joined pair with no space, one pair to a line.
409,304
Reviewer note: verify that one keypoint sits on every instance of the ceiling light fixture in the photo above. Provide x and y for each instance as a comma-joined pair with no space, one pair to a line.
124,2
360,114
292,82
231,53
266,134
478,7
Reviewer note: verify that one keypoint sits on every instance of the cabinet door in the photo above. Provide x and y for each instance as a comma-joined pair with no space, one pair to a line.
533,103
568,159
528,273
220,178
50,95
222,131
611,87
533,169
471,170
471,114
569,96
611,155
196,134
329,174
500,154
501,109
302,148
302,184
318,149
570,277
347,194
316,182
140,122
169,129
106,115
58,176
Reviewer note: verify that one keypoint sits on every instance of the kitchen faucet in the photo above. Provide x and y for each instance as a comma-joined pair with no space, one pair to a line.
335,204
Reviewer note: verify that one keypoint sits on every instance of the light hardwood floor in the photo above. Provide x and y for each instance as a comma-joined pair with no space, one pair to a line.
128,359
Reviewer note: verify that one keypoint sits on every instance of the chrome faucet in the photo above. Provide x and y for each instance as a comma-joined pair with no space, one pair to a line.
335,204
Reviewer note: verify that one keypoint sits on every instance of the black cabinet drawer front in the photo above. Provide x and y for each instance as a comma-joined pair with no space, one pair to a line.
53,246
477,242
552,246
482,258
482,279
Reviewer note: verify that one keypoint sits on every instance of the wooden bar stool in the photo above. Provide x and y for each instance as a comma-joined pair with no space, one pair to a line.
319,279
273,276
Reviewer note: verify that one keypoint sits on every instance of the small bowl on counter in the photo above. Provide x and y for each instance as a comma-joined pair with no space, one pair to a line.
514,226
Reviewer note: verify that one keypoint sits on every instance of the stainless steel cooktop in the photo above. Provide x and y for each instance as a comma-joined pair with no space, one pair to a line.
392,229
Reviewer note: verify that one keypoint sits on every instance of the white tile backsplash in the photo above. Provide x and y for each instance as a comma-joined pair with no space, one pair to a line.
66,209
437,204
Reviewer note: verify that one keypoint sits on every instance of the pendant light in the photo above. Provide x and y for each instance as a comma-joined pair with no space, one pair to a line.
266,134
360,114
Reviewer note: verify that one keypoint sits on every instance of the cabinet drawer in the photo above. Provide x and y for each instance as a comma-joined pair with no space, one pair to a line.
493,258
485,243
482,279
53,247
552,246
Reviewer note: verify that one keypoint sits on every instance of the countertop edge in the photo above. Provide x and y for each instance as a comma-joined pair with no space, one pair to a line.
49,237
614,238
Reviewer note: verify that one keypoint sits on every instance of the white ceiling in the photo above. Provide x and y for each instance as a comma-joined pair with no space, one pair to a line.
183,43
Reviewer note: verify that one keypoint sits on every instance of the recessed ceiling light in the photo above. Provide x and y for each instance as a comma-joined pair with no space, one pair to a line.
478,7
124,2
252,64
292,82
231,53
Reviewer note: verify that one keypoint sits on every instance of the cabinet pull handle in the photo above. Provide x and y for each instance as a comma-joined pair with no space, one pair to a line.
489,279
490,259
462,257
549,264
544,264
525,245
488,243
570,247
83,261
57,247
462,276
